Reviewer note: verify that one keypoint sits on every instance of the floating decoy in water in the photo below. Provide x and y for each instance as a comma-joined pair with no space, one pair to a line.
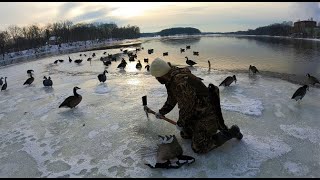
170,154
253,69
78,61
47,81
196,53
147,67
190,62
29,80
1,82
72,101
70,60
209,65
61,60
139,65
188,47
181,50
300,92
146,60
165,54
4,86
102,77
229,80
312,80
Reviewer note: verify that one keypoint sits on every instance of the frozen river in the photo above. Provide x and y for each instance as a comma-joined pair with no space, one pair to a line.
102,136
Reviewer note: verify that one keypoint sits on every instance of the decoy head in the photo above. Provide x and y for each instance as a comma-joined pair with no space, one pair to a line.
76,88
44,77
306,87
234,78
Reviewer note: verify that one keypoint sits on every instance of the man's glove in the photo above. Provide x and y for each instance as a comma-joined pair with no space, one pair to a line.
159,116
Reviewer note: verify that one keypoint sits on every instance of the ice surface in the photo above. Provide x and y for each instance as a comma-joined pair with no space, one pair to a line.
102,135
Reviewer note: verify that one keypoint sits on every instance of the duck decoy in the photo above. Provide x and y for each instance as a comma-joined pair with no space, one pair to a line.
300,92
187,46
169,154
147,67
146,60
312,80
102,77
190,62
253,69
1,82
138,66
47,81
4,86
29,80
196,53
70,60
165,54
229,80
182,50
72,101
78,61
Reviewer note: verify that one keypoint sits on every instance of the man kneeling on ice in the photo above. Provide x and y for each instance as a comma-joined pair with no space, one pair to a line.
200,115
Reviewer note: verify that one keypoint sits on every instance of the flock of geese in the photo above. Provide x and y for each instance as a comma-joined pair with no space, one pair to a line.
74,100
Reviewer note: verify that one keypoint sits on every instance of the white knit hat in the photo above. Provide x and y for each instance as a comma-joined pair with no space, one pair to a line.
159,67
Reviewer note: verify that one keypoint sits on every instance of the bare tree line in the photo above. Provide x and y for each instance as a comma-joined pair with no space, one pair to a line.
16,38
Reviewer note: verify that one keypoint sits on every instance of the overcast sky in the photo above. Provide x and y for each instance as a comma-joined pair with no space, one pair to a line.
155,16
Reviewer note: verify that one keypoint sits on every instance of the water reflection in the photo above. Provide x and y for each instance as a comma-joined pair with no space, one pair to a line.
181,41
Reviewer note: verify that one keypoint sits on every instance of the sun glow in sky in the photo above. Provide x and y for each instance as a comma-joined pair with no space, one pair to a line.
155,16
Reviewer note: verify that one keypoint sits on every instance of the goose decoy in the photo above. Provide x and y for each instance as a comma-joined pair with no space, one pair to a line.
182,50
165,54
300,92
312,80
188,47
196,53
72,101
209,65
229,80
89,59
253,69
29,80
47,81
78,61
1,82
102,77
70,60
139,65
94,54
146,60
61,60
104,53
122,65
56,61
4,86
150,51
147,67
170,154
190,62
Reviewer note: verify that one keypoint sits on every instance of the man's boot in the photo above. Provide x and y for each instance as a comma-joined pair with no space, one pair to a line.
235,132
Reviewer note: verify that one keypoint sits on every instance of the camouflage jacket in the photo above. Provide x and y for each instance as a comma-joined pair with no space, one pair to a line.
191,95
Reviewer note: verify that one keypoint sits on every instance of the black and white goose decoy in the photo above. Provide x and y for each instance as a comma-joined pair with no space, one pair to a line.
312,80
102,77
253,69
1,82
29,80
4,86
190,62
139,65
170,154
165,54
147,67
300,92
72,101
196,53
229,80
47,81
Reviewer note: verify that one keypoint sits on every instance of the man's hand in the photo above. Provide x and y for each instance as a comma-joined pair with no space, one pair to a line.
159,116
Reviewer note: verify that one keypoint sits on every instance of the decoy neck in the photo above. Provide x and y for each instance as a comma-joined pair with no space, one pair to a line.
105,71
75,91
235,79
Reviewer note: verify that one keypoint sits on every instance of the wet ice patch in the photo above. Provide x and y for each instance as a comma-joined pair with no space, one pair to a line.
296,169
102,89
92,134
311,134
242,104
278,112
